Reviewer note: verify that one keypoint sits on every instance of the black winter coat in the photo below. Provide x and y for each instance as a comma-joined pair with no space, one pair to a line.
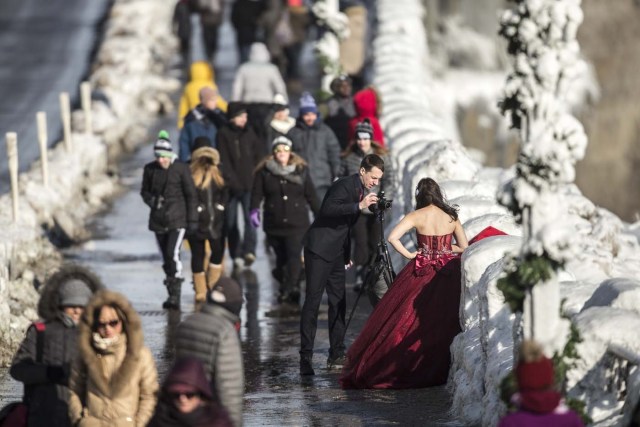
285,200
319,147
211,205
46,375
171,195
328,236
240,152
46,396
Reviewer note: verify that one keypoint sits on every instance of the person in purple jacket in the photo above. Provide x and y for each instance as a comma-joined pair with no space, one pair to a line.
539,403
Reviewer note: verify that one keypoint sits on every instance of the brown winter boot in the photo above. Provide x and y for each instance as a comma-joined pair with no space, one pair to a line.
200,286
213,275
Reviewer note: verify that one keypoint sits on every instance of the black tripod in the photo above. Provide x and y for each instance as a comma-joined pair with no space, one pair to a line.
380,274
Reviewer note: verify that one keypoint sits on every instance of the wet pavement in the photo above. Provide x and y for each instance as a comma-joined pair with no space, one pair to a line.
124,253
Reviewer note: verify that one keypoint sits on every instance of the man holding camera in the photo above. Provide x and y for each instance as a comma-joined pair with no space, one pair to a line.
168,189
327,254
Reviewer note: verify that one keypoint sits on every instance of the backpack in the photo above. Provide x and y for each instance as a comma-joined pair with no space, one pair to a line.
16,414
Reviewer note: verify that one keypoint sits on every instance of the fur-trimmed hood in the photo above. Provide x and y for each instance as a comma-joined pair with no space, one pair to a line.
48,305
132,327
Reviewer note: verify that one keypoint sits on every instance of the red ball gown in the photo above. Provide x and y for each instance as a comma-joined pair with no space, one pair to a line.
405,342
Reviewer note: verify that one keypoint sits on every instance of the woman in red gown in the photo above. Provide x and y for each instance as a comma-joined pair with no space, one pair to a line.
405,342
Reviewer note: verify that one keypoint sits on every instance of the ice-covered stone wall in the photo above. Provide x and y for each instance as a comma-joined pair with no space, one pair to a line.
130,88
421,141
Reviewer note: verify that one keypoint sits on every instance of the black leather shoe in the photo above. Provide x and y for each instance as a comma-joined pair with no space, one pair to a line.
306,367
336,362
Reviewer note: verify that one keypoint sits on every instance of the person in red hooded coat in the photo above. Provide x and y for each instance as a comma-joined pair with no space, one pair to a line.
367,105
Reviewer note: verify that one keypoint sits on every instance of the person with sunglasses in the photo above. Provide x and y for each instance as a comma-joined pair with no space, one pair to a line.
186,399
113,380
43,361
282,181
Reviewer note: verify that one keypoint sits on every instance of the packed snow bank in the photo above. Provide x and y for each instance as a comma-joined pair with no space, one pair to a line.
417,118
130,90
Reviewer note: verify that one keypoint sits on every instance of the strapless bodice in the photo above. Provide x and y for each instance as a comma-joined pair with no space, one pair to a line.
434,244
433,253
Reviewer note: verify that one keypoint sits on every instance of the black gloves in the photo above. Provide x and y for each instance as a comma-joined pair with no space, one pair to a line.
192,228
58,374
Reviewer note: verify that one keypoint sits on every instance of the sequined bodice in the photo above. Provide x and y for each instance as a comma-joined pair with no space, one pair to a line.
433,253
434,244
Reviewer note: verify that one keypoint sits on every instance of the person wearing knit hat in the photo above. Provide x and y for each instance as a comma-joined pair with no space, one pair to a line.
307,104
364,130
281,122
203,121
236,109
211,336
316,143
162,147
213,197
281,184
539,403
44,358
168,189
186,396
241,149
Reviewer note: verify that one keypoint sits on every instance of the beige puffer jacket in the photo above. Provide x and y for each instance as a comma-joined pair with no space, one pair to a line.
116,387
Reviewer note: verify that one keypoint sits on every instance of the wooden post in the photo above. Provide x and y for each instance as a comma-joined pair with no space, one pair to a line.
12,154
41,118
85,93
65,113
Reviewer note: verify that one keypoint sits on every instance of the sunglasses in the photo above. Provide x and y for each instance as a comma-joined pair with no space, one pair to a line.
188,394
282,149
111,323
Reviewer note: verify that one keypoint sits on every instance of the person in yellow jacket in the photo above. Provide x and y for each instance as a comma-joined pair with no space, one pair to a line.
201,75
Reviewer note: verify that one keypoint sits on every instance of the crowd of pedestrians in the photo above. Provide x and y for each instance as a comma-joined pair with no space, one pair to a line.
309,182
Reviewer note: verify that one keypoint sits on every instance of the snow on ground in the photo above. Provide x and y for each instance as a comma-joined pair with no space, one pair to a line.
129,72
419,120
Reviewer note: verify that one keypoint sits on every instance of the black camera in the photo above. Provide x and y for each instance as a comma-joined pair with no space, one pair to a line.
382,204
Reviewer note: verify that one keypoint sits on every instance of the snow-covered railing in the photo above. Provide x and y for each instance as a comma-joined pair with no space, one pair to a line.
602,303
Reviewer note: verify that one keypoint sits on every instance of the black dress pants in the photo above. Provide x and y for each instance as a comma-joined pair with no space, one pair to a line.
322,274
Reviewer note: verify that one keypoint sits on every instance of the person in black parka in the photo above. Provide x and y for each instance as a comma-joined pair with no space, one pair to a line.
168,189
327,254
282,180
240,152
213,197
43,361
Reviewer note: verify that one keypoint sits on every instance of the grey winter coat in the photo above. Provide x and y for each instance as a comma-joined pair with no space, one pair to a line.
319,146
211,337
46,380
258,80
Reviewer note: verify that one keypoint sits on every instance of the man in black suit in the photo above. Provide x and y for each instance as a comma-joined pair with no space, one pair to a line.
327,254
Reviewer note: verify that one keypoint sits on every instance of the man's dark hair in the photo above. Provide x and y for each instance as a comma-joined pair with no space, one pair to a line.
371,160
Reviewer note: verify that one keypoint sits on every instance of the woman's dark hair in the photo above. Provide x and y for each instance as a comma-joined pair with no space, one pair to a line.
428,193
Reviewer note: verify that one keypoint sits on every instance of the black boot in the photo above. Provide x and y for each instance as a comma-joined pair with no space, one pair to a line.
306,365
174,285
